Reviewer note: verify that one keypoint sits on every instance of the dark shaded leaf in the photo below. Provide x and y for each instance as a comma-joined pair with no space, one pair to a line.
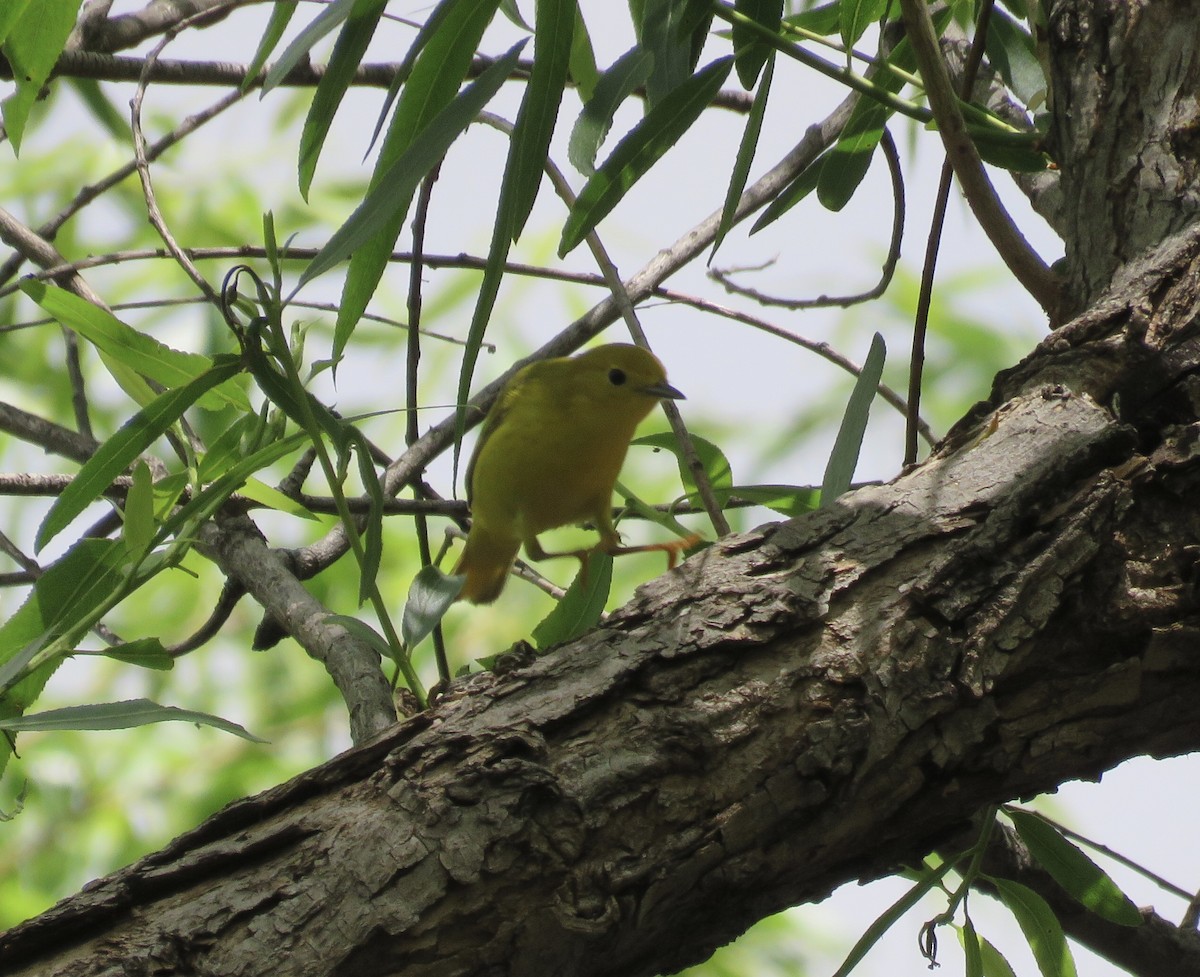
839,472
1041,928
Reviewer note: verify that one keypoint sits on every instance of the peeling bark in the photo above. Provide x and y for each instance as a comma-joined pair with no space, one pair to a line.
816,701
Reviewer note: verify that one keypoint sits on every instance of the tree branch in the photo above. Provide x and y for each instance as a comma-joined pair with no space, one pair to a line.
815,701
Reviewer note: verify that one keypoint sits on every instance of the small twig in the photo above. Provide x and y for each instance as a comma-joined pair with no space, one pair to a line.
412,429
822,349
916,369
721,275
89,193
46,434
231,593
143,170
1029,269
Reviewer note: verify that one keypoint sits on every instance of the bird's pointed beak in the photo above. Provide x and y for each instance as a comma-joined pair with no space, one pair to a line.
664,391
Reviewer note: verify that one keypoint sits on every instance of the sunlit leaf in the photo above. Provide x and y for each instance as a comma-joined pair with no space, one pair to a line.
138,528
857,16
1041,928
32,45
1073,870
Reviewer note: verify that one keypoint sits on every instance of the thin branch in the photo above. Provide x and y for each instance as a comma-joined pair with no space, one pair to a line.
46,434
970,70
721,275
822,349
1033,273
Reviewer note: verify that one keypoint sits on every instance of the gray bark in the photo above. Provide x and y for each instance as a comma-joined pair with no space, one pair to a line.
816,701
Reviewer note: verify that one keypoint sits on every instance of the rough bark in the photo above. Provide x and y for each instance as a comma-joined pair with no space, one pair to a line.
816,701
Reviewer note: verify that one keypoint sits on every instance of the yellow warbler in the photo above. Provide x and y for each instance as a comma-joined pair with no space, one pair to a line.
548,455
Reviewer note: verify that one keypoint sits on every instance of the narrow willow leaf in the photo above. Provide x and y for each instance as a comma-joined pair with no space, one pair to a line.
103,110
644,146
70,589
824,20
617,83
147,356
145,652
745,156
121,715
750,52
581,606
716,465
365,633
803,183
1017,153
138,528
324,23
656,24
430,596
372,530
857,16
348,52
554,31
890,916
788,500
272,498
433,83
1041,928
839,472
281,16
1011,51
388,202
32,45
971,950
993,961
122,449
583,70
1082,878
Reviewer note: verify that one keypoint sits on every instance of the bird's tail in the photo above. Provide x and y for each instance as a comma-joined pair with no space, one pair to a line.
486,561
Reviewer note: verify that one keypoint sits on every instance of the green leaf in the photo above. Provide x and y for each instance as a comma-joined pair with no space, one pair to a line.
716,465
823,20
281,16
387,202
890,916
348,52
32,45
617,83
138,530
324,23
146,652
115,123
430,596
640,149
1082,878
365,633
1011,151
750,52
993,962
839,472
857,16
436,75
1040,926
554,30
372,530
971,950
581,606
272,498
1011,51
583,70
803,183
657,25
125,345
788,500
11,11
745,156
71,588
123,448
121,715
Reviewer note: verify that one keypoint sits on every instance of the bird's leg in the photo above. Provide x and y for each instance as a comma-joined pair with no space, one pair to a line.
612,546
533,549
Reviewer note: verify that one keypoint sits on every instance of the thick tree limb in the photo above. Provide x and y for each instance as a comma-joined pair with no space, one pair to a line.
815,701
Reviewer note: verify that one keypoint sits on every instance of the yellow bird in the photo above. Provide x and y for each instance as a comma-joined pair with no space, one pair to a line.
549,454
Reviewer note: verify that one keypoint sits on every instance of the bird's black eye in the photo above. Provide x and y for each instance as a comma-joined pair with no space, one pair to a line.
616,377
